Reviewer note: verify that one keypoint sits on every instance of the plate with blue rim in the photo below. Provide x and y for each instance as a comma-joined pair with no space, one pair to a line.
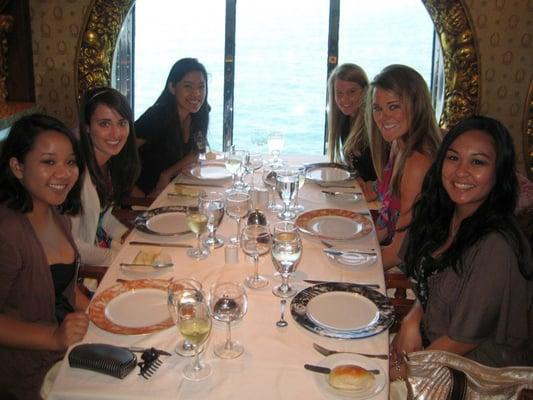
164,221
342,310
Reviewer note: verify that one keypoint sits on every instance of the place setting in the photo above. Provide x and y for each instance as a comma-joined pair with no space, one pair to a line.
334,224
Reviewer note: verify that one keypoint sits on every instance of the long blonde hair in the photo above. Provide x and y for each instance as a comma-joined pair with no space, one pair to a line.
336,119
423,134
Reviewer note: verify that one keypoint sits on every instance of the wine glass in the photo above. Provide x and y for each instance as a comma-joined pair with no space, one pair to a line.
194,323
296,207
287,187
269,179
256,162
228,302
243,169
181,292
286,253
197,222
259,139
201,145
212,205
237,206
232,162
255,241
275,144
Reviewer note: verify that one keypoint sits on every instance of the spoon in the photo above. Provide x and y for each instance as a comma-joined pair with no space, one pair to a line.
282,323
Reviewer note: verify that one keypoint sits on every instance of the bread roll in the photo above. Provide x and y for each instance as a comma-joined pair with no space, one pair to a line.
350,377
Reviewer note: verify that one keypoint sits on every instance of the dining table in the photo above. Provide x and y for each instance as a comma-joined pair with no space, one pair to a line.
272,365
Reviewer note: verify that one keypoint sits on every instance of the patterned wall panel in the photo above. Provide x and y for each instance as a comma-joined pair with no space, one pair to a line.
504,31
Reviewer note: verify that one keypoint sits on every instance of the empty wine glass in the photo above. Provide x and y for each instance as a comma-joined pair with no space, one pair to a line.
269,179
243,170
255,241
228,302
256,162
181,292
286,254
259,139
275,144
232,162
237,207
212,205
194,323
201,145
287,187
296,207
197,223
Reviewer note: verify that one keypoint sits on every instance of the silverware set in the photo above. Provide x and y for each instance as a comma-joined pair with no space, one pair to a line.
328,352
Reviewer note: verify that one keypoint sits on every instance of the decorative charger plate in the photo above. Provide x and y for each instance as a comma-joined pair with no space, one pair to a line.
342,310
210,170
345,358
334,224
163,221
132,307
328,173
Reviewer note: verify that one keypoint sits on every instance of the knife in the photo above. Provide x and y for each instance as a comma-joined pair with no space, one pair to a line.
199,184
136,349
335,193
324,370
369,285
337,252
187,246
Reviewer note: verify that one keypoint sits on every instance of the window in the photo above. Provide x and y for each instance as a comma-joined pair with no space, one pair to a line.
281,54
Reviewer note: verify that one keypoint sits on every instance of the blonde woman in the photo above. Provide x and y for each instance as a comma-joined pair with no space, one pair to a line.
404,139
347,141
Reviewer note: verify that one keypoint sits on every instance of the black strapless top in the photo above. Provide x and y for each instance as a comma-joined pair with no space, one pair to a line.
62,276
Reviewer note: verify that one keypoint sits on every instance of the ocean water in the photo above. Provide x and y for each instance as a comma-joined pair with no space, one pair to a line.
280,57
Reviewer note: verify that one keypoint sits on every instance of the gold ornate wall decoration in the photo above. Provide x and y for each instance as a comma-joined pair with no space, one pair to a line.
97,42
461,59
528,132
6,24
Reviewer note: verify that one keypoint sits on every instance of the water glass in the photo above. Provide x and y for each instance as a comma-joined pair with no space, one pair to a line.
238,206
228,302
194,323
286,254
181,292
296,207
197,223
287,187
212,205
255,242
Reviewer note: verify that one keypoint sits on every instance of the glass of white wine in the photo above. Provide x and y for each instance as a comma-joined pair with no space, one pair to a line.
286,254
228,302
255,241
232,162
197,223
181,292
194,323
238,206
212,205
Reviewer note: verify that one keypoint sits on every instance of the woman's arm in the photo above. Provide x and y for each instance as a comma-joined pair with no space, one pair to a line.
415,170
447,344
169,174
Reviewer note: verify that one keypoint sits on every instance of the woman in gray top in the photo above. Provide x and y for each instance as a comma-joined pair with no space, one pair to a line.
470,262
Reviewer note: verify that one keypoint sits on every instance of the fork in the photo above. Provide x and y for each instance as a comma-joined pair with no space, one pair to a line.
327,352
151,362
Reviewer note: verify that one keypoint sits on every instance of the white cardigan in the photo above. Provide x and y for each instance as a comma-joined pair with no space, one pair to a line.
85,224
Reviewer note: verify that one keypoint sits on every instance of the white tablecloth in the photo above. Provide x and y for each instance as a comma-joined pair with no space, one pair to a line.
272,364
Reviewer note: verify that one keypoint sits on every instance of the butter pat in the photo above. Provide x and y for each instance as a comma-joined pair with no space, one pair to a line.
186,191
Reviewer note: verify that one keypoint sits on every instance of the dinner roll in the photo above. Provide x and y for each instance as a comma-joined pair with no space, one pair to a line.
350,377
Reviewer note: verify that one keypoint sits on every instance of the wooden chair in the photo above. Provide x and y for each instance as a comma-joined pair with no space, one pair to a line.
402,305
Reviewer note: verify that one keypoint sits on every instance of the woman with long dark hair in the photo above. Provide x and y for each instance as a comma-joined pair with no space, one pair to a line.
467,256
108,143
41,309
169,132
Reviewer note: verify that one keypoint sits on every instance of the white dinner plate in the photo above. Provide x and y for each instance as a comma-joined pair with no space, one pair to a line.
328,173
334,224
211,170
132,307
164,221
346,358
352,311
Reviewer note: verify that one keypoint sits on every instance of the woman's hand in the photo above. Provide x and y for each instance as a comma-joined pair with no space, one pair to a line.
368,190
72,330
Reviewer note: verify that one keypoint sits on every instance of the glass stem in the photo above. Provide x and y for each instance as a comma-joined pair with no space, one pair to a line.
238,229
256,267
229,344
198,243
284,283
196,366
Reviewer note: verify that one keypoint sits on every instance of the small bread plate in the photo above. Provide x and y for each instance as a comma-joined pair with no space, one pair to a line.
334,224
352,259
366,392
134,307
358,310
210,170
163,221
328,173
